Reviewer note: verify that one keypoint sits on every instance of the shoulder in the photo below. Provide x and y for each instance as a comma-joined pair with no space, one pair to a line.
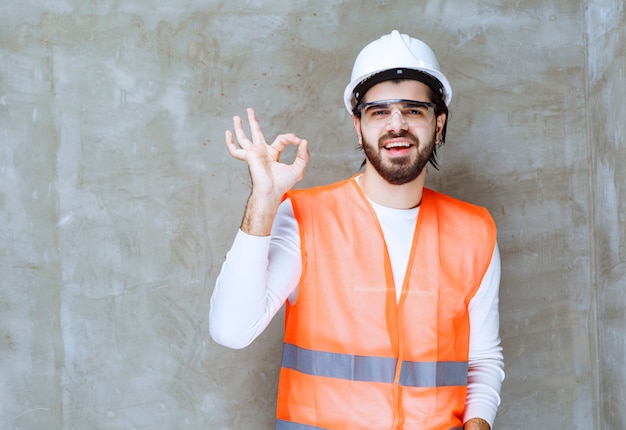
326,202
459,217
446,202
322,194
319,189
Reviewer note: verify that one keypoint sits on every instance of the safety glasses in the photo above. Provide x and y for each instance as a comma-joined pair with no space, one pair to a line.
412,112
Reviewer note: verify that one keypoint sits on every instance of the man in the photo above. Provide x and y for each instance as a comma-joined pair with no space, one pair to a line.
391,289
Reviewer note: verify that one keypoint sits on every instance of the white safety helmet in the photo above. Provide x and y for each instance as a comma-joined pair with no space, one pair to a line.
395,56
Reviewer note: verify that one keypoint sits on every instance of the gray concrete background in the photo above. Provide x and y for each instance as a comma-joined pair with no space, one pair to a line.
118,200
606,139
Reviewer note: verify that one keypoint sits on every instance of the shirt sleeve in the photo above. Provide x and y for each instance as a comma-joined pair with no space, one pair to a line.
486,363
256,278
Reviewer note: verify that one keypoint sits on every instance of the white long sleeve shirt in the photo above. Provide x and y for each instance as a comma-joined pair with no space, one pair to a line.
261,273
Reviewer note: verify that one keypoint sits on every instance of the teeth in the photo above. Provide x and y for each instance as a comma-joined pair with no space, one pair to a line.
397,145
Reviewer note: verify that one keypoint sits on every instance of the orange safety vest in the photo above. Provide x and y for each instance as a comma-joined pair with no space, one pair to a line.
356,358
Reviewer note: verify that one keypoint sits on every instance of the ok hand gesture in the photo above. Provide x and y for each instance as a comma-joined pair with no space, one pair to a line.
271,179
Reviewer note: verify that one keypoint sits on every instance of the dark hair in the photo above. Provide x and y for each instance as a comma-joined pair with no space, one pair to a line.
440,108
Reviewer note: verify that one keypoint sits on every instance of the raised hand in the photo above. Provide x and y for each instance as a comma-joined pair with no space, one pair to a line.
269,176
271,179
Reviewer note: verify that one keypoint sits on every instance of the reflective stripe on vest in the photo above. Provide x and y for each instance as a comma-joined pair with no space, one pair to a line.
286,425
374,369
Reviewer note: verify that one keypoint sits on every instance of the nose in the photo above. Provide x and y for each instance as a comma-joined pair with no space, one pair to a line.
397,122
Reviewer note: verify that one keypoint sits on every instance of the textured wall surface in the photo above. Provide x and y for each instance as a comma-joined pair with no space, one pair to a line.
607,105
118,200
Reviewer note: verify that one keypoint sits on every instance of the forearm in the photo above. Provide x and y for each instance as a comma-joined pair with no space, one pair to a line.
238,309
259,274
486,366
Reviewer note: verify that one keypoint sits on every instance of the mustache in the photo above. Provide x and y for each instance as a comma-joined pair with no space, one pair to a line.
401,134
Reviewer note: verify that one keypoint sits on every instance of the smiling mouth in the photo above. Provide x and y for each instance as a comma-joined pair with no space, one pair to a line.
397,145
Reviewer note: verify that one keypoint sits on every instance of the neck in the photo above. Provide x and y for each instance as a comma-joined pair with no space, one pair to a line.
405,196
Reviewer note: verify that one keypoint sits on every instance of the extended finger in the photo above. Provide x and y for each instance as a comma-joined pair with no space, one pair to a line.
230,145
242,138
255,128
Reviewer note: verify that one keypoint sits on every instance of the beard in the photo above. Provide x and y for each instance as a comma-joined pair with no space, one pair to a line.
401,170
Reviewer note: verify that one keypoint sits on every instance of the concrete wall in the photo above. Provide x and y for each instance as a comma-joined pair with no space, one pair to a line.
606,20
118,200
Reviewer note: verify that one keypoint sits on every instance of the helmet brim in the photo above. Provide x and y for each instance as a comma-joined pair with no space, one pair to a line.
431,77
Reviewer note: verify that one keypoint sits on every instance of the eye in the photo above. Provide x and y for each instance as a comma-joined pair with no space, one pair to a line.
415,111
378,111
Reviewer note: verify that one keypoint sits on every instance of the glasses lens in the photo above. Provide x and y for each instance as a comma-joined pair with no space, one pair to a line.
412,111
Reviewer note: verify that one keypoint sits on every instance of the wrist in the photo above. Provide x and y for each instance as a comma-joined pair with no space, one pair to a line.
259,215
476,424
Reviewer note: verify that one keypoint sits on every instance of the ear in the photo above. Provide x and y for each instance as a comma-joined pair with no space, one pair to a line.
441,121
357,127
